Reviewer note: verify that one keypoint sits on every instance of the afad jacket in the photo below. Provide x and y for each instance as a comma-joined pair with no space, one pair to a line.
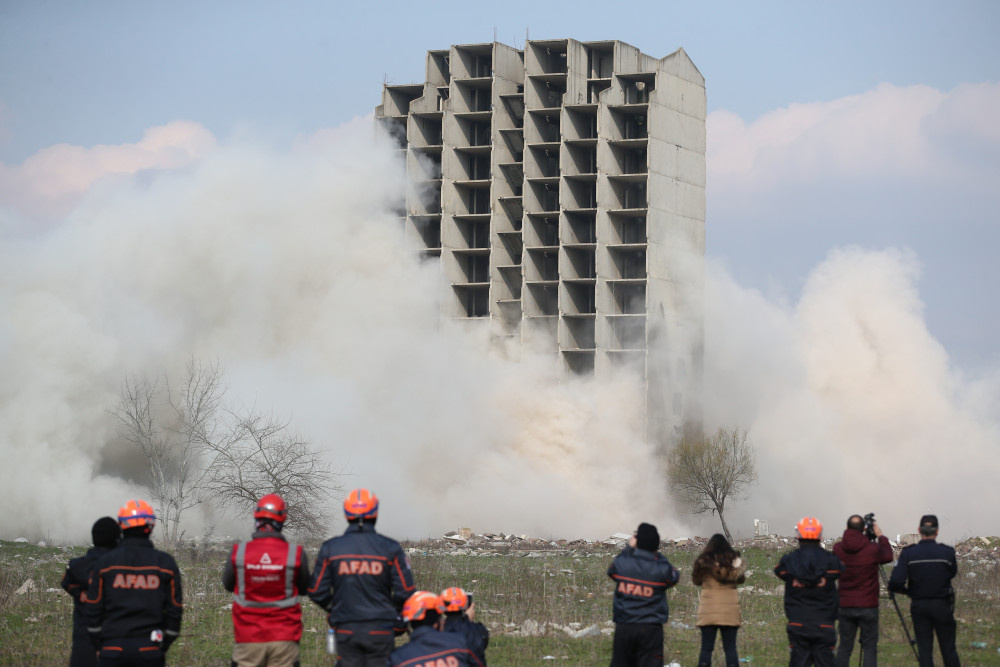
134,590
641,581
861,558
810,574
362,578
720,602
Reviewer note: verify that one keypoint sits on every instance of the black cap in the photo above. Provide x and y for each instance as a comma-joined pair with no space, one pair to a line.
929,520
647,537
106,532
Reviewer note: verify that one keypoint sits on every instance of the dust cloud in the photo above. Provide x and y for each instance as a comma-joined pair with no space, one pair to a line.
283,264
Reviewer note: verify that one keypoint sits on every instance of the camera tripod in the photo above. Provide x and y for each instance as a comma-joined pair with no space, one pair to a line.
902,621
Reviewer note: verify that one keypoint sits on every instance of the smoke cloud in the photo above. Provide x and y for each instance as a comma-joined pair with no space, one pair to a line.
283,264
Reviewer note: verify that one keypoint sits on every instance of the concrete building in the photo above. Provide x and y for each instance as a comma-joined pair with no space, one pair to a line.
562,186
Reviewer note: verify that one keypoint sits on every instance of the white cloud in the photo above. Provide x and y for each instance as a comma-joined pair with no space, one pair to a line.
889,134
51,182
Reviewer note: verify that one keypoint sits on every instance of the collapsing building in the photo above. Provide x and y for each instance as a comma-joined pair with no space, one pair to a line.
562,186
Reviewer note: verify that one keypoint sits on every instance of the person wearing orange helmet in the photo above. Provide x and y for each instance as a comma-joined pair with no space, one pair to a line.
134,599
460,618
424,612
266,576
810,574
362,579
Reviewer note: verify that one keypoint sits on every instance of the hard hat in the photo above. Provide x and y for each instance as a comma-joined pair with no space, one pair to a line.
809,528
455,599
361,504
418,604
136,513
271,506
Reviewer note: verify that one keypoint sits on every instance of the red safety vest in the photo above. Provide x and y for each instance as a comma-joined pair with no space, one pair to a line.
265,600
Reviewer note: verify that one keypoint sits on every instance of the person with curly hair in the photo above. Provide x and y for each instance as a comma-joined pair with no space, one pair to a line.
718,570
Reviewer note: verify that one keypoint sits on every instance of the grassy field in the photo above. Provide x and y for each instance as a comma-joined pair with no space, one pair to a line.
533,596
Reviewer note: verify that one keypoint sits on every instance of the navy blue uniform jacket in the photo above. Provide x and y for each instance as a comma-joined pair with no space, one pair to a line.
427,646
134,589
641,582
810,574
361,577
477,637
924,571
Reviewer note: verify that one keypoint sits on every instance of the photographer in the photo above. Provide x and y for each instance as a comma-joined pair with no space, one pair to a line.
862,549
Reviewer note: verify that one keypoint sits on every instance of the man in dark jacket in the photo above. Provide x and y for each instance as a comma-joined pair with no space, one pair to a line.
859,589
429,644
362,579
810,574
134,601
642,576
106,534
460,618
924,572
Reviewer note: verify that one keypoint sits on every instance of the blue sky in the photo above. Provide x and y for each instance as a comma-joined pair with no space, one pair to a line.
201,178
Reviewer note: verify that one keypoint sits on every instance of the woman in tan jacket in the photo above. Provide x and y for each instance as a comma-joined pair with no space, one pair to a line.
718,570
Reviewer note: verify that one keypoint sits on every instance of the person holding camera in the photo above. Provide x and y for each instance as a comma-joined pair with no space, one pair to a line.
862,550
924,572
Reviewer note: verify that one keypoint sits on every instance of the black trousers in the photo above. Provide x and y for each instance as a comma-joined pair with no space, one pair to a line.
130,652
849,621
364,647
637,645
83,654
932,617
728,633
811,644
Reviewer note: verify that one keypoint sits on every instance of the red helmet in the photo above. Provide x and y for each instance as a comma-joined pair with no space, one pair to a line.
271,506
361,504
135,514
809,528
455,599
418,604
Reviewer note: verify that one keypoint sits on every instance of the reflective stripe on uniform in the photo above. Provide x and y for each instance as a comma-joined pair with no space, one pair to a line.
239,596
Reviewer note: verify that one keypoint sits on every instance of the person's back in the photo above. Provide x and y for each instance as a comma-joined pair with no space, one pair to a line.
266,576
924,572
858,589
460,617
134,600
105,534
362,579
429,645
810,574
642,576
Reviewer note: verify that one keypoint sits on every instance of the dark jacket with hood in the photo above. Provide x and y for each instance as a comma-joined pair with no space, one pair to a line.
641,581
810,574
861,558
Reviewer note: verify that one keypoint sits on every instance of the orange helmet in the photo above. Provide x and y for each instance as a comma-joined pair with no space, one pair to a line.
421,602
455,599
361,504
809,528
136,513
271,506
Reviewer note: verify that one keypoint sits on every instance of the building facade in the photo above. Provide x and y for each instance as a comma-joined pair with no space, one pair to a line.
562,186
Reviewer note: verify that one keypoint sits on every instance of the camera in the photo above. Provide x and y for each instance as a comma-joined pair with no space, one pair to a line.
869,520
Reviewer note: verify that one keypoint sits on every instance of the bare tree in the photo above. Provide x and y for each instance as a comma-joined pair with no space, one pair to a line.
199,450
262,455
706,472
